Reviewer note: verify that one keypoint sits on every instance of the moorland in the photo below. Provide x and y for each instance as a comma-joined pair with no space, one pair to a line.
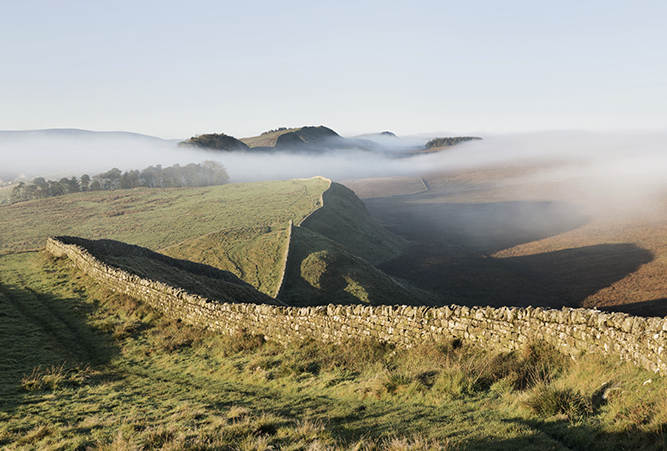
84,368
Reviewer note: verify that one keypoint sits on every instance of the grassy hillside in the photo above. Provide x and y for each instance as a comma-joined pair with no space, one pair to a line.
195,278
241,228
346,221
266,139
255,254
215,141
97,371
157,218
321,271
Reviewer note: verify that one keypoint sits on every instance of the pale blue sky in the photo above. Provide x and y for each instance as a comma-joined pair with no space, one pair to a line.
175,69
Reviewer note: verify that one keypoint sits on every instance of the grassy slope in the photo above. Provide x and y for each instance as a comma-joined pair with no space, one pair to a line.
127,378
195,278
266,140
157,218
346,221
321,271
255,254
237,228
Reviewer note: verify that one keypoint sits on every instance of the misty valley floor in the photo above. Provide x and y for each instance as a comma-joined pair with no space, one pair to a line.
485,239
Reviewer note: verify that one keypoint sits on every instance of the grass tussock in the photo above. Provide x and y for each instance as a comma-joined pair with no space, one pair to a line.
547,401
55,377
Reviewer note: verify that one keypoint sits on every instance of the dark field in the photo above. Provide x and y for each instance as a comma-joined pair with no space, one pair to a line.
506,236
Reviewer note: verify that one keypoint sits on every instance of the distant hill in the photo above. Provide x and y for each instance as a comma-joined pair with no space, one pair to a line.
214,141
306,139
68,134
56,153
384,138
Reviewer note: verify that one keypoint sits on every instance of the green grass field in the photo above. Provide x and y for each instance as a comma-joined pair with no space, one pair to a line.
157,218
241,228
84,369
255,254
99,371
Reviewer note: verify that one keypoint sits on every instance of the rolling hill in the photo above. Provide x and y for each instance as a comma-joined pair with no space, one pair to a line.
255,254
252,230
307,139
83,368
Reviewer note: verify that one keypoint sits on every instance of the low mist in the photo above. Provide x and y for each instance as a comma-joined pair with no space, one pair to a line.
616,166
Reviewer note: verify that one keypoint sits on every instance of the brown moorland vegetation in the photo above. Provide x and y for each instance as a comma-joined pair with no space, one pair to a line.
510,236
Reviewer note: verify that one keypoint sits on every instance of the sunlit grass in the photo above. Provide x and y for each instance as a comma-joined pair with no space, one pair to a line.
157,218
87,369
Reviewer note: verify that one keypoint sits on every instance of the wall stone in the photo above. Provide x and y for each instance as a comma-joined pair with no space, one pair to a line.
574,331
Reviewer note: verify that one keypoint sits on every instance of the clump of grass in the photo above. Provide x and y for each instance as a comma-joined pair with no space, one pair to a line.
239,341
158,438
237,413
541,361
55,377
454,383
546,400
416,444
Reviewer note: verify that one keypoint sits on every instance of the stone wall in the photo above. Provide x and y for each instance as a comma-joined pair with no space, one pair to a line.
574,331
321,202
288,248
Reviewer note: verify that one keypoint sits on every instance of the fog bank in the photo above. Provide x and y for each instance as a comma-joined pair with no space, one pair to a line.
625,160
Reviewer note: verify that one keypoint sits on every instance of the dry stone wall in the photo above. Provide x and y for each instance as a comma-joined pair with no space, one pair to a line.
321,202
575,331
288,248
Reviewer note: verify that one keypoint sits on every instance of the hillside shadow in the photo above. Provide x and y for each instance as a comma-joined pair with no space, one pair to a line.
41,330
451,242
483,227
574,274
564,435
553,279
652,308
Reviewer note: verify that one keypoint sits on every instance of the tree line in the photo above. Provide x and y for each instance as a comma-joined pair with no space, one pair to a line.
191,175
445,142
279,129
